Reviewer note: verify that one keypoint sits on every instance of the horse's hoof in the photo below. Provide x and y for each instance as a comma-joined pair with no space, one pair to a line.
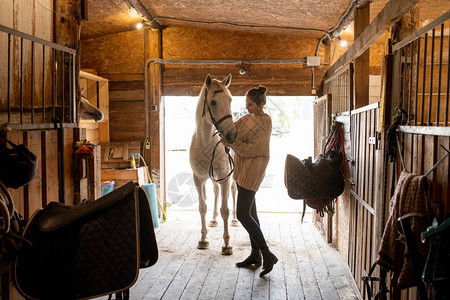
235,223
227,250
203,245
213,223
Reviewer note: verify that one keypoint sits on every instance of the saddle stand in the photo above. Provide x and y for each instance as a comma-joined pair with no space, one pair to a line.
87,250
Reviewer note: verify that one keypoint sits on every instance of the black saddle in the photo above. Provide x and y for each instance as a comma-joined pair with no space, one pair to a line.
87,250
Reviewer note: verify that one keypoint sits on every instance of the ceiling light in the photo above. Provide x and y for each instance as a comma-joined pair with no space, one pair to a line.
342,42
244,70
139,25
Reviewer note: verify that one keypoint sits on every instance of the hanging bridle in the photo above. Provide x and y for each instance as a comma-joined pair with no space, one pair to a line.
227,149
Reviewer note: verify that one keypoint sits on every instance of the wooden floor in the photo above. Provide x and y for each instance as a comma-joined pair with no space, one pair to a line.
308,268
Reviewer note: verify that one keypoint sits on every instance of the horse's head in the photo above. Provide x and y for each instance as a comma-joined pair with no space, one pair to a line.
217,106
88,111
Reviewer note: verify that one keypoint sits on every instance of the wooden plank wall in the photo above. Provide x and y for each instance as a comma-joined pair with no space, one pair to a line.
30,17
423,83
419,147
126,108
44,187
283,81
420,152
335,228
201,44
341,221
44,145
321,131
120,59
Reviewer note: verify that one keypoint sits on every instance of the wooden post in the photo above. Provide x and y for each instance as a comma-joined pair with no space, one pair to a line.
103,126
362,20
384,123
155,99
329,228
66,31
328,114
94,179
153,49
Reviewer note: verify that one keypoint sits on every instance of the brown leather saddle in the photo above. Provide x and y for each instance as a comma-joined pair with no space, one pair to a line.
87,250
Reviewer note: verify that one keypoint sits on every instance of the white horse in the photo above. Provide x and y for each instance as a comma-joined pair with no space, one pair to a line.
207,156
88,111
234,220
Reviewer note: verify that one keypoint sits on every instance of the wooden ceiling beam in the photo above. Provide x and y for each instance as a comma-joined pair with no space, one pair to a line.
141,9
391,13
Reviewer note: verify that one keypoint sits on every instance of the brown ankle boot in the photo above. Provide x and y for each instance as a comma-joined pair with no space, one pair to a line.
269,259
253,259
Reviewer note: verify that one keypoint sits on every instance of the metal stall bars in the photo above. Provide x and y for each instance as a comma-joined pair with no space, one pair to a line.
422,77
340,86
38,82
420,89
421,83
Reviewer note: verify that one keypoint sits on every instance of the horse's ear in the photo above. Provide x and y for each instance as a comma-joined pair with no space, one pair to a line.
208,81
227,80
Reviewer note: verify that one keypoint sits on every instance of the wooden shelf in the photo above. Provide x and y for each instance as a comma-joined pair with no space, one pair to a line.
122,176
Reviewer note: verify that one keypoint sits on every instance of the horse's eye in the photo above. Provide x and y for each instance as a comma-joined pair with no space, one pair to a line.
213,102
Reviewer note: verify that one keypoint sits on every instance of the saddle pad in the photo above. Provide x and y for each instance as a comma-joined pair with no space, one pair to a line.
95,255
324,180
149,247
56,215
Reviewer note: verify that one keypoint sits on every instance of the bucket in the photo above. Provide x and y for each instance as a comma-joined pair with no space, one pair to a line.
107,187
150,190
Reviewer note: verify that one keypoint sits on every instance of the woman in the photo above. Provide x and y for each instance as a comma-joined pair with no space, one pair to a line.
251,158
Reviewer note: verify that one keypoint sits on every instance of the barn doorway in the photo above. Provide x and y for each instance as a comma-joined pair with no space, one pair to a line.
292,121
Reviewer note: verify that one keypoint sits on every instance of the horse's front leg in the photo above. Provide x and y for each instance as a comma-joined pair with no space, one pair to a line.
213,222
234,221
225,212
202,207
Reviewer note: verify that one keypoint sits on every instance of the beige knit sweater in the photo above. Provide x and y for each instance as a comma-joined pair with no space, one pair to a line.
252,150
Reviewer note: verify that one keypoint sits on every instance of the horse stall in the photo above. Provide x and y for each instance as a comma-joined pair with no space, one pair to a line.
38,104
387,92
96,90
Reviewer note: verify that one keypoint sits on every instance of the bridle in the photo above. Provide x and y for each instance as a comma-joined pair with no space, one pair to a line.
213,120
227,149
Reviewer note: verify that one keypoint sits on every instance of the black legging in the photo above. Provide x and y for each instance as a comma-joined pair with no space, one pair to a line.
246,214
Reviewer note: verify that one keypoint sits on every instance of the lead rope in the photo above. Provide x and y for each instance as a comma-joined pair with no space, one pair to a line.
230,163
227,149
